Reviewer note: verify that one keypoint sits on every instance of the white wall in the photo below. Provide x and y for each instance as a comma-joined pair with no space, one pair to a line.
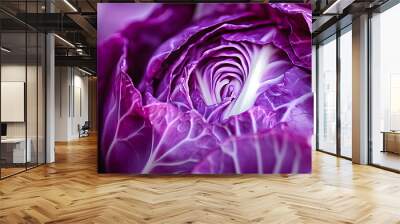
61,103
16,73
80,103
12,73
71,94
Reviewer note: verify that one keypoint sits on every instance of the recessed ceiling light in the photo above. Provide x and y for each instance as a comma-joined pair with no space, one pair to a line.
84,71
70,5
333,6
337,7
64,40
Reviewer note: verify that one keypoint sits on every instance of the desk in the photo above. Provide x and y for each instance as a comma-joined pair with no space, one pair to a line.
16,147
391,141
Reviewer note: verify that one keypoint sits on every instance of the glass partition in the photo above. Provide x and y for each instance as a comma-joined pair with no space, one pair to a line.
327,96
334,94
22,88
31,99
346,93
385,89
13,109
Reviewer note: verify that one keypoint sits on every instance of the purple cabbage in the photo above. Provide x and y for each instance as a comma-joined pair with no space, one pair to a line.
208,89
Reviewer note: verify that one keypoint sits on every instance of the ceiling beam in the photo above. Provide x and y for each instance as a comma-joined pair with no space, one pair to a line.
86,27
81,61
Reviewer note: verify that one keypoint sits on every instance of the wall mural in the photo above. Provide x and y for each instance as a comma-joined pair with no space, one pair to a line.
204,88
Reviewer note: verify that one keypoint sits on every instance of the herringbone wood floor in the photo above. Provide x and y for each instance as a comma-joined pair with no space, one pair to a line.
71,191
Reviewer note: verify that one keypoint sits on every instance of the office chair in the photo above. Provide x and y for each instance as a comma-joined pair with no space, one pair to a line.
84,130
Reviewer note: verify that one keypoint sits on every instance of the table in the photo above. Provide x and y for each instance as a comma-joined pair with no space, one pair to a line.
16,147
391,141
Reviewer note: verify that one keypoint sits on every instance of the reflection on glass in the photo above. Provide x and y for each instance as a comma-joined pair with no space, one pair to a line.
31,101
385,84
14,153
346,94
327,96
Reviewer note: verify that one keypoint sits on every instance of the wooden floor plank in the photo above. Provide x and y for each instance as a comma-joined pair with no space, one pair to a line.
71,191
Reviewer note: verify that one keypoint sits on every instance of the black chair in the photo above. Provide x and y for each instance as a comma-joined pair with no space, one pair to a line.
84,130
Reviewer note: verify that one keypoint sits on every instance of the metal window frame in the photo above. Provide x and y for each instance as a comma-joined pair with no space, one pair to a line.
44,74
387,5
381,9
339,32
